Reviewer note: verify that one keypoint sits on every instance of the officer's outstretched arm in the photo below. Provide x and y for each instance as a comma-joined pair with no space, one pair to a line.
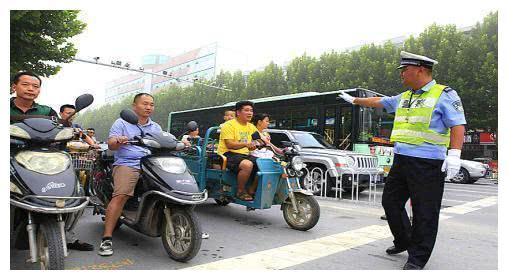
366,102
369,102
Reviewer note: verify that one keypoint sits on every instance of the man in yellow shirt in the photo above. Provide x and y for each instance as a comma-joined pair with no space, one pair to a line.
235,143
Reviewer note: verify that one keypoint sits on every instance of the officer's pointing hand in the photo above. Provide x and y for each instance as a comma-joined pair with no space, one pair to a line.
451,164
346,97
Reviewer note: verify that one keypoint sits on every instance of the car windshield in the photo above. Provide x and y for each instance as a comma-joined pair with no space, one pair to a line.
312,140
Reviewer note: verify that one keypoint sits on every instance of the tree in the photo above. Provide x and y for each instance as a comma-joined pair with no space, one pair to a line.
468,62
38,37
269,82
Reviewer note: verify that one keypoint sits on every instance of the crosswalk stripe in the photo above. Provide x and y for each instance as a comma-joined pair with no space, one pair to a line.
471,206
375,212
294,254
469,191
301,252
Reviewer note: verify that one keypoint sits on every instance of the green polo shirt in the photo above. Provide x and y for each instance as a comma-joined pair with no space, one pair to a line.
36,109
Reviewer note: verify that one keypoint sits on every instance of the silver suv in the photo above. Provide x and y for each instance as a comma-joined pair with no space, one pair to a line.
325,161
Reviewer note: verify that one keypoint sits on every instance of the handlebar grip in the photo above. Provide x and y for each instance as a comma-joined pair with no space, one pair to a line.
180,146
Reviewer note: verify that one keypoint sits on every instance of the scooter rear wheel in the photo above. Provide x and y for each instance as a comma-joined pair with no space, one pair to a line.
186,241
50,245
308,212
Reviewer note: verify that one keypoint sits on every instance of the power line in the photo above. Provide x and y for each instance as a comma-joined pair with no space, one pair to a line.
118,65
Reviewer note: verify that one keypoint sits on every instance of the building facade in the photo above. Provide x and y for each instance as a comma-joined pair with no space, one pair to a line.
199,64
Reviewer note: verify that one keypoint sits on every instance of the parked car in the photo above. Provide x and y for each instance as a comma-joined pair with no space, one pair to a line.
318,154
470,172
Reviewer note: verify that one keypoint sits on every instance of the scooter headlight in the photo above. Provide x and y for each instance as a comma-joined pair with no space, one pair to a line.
18,132
65,134
173,165
15,189
44,163
297,163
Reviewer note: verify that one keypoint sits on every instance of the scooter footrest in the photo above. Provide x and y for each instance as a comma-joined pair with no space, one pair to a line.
95,201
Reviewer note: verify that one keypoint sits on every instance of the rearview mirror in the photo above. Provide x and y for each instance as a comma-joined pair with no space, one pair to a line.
129,116
83,101
256,136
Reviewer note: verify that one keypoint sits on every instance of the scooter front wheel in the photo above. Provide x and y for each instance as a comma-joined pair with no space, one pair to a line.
308,212
184,241
50,245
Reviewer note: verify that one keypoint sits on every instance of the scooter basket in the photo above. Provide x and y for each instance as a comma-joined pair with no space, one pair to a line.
83,160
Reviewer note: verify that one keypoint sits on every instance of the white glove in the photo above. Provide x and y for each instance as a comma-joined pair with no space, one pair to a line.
451,164
346,97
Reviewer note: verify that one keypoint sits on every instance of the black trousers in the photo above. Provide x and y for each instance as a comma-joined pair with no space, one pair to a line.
422,181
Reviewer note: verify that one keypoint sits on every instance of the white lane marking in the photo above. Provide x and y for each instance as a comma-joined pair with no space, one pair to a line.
444,217
468,191
471,206
492,186
376,212
301,252
454,200
294,254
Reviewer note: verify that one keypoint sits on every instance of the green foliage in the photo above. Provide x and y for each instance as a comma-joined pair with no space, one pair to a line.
41,36
467,63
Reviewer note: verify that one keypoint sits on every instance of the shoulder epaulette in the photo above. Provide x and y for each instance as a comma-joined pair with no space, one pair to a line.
448,89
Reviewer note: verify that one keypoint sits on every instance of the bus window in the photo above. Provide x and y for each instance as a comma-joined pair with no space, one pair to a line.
374,128
345,127
329,131
304,118
284,124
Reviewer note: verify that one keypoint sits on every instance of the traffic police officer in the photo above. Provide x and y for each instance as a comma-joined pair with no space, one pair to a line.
429,119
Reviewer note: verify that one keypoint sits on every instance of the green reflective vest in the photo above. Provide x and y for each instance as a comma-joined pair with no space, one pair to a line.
412,119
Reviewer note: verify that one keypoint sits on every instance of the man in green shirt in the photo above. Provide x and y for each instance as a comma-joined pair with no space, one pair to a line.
27,87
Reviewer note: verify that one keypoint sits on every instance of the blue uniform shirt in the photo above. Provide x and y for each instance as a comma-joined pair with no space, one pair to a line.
447,113
130,155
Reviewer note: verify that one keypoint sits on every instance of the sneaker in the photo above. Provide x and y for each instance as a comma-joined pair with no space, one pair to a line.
106,248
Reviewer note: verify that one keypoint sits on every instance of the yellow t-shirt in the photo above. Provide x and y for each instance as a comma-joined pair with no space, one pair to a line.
233,130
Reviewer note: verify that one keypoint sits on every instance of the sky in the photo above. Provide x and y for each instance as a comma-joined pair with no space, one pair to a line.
262,31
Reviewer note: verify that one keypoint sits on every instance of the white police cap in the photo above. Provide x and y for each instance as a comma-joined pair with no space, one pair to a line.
407,58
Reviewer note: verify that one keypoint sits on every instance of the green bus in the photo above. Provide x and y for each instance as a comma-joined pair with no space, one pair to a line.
345,126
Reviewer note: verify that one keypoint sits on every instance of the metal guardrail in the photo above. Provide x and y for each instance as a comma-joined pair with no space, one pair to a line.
323,185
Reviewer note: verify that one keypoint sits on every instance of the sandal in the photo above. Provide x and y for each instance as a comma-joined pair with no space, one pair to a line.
244,196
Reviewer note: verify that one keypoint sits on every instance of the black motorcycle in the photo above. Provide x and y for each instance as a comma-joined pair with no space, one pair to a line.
164,197
45,196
